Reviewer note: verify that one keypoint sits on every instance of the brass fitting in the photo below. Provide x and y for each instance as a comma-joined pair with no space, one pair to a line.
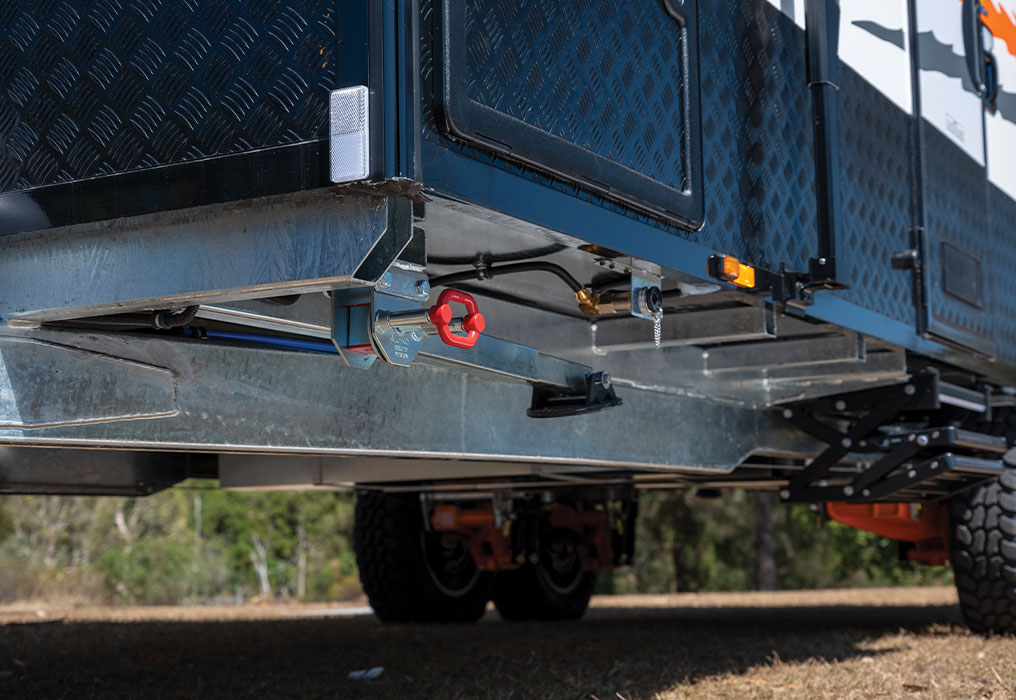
589,302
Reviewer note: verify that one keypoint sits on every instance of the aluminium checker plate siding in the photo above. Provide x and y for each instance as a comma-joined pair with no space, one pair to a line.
756,125
101,88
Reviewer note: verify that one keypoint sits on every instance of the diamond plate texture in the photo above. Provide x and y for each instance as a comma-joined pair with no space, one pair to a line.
1003,260
955,211
603,75
430,24
106,86
756,134
876,145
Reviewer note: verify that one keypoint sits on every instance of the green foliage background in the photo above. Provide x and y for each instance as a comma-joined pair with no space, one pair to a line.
198,544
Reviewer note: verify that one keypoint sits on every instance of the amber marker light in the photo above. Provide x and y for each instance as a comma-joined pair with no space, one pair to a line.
730,269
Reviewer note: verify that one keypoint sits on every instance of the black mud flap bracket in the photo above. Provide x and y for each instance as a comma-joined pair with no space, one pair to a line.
553,403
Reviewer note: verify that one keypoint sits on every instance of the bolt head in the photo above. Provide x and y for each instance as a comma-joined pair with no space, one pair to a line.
922,440
423,288
841,405
784,494
788,413
605,380
848,490
385,282
911,474
910,390
847,442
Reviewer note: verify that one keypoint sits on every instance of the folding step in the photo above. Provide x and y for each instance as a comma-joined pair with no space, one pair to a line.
906,463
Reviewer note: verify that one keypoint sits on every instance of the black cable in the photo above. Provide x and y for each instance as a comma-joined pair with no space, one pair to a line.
286,300
168,318
488,272
489,258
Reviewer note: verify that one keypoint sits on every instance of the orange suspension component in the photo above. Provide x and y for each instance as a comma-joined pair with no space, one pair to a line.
595,548
929,530
477,528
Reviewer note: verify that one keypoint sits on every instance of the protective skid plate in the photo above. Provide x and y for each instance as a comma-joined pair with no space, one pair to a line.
602,92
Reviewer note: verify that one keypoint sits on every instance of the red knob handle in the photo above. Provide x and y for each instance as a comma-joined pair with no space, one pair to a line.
441,314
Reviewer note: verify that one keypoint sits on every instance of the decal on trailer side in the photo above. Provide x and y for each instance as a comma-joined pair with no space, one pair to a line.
794,9
948,99
875,42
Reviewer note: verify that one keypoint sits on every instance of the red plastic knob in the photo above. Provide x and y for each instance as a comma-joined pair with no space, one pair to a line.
441,314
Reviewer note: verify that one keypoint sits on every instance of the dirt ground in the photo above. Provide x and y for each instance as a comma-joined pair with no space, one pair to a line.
877,643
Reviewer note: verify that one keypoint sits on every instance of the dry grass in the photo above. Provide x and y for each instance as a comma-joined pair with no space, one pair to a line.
881,643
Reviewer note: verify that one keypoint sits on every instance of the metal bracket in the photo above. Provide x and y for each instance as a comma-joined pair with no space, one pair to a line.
908,459
552,403
359,328
645,294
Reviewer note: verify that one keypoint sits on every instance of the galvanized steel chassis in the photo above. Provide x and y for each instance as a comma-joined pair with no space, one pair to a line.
243,213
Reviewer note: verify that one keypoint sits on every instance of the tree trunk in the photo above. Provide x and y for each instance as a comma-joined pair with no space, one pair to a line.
259,558
301,560
765,559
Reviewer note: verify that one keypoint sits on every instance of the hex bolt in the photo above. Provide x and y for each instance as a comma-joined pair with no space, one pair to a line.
911,473
605,380
862,443
909,389
841,405
848,490
847,442
866,493
923,440
934,465
385,282
788,413
784,494
423,289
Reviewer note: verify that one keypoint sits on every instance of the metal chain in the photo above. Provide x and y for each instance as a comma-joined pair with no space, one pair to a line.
658,328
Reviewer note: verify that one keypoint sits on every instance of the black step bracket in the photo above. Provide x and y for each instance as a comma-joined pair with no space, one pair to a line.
862,434
935,477
875,417
901,449
553,403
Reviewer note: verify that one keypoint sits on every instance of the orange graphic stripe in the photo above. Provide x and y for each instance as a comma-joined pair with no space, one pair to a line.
1000,23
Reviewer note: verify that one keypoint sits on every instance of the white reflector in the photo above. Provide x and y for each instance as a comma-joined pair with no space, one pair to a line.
350,133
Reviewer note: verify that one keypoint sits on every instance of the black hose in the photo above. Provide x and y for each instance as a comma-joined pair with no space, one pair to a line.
286,300
167,318
488,258
175,319
488,272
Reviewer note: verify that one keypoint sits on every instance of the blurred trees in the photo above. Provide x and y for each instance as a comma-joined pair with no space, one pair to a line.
689,542
191,544
198,544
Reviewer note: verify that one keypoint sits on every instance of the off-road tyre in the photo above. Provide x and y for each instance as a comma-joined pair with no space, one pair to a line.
392,553
526,594
984,554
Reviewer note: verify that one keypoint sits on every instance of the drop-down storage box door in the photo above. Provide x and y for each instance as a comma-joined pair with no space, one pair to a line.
603,93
